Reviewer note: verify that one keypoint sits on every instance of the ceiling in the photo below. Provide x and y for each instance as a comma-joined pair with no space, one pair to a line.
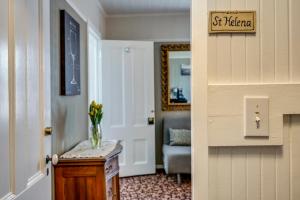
127,7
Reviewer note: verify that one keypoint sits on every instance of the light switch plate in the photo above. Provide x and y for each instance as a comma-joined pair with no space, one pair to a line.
256,109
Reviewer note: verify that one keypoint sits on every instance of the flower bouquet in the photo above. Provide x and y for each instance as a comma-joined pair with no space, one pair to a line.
96,114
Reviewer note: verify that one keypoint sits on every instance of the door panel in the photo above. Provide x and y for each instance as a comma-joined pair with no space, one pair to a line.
117,89
140,151
25,88
27,119
4,101
128,98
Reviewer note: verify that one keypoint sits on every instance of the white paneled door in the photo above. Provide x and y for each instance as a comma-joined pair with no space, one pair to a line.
24,99
128,99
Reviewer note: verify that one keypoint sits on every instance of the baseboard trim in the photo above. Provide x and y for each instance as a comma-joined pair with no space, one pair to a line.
159,166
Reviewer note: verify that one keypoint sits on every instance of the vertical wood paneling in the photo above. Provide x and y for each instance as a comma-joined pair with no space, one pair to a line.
258,173
212,60
294,17
212,50
224,69
253,46
224,174
253,173
268,173
281,41
295,158
238,48
239,178
270,55
4,101
283,164
267,40
212,169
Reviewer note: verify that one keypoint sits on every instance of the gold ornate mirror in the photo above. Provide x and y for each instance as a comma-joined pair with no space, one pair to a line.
176,77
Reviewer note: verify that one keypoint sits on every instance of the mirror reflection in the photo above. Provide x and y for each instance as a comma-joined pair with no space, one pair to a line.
179,77
176,76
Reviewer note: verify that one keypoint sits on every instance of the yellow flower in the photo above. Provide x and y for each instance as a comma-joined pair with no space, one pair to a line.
99,107
95,112
92,113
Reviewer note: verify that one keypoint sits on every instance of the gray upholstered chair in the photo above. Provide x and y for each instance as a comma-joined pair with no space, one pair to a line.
177,159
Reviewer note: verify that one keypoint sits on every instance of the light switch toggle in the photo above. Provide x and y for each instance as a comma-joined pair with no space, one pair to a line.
257,120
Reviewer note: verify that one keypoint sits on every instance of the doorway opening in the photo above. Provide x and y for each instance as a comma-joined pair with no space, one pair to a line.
135,73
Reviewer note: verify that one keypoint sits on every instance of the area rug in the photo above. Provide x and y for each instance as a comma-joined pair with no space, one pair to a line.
155,187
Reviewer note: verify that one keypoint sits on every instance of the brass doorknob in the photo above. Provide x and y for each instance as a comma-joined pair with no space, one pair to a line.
48,130
151,120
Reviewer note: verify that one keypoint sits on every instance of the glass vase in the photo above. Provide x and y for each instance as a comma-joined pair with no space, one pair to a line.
96,136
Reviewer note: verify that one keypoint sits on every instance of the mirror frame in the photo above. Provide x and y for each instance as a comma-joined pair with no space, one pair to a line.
165,93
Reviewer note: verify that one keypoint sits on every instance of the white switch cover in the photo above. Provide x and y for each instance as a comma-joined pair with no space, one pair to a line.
256,116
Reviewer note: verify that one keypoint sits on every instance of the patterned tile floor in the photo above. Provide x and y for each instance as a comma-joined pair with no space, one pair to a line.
155,187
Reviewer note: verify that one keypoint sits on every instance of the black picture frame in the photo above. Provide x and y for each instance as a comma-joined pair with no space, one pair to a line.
69,55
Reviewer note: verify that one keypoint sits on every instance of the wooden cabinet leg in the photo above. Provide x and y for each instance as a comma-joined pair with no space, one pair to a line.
116,186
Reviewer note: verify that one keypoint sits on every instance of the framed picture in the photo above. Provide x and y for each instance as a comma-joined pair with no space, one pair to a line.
69,55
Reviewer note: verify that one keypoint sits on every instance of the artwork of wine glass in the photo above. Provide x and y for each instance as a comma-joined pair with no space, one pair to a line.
70,55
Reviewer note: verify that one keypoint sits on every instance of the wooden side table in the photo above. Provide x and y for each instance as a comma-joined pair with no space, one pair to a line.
92,178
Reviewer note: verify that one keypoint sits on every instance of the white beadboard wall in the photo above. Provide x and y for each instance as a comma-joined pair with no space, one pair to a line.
272,55
257,173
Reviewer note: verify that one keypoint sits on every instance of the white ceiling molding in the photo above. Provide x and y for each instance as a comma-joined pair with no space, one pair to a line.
184,40
77,10
149,14
85,18
103,12
128,7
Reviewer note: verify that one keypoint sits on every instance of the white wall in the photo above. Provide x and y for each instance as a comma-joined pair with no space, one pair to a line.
172,27
269,56
91,11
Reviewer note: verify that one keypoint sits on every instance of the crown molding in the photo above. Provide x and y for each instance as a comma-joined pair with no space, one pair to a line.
99,5
77,10
148,15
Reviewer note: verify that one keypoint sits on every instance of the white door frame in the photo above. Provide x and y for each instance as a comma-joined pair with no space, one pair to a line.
94,70
92,32
199,19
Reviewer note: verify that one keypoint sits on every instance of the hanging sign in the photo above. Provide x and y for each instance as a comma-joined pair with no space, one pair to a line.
232,22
